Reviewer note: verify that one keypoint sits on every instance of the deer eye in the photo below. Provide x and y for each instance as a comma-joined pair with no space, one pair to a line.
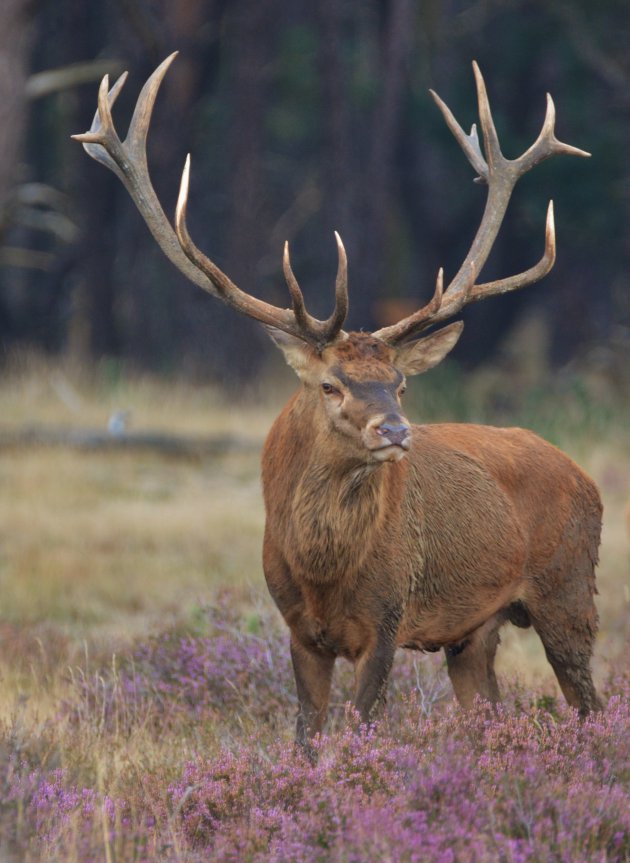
329,389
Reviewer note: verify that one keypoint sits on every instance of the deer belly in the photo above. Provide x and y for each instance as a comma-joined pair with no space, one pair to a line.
470,555
453,617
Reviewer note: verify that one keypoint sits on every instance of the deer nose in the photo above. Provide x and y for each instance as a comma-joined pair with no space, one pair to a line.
396,433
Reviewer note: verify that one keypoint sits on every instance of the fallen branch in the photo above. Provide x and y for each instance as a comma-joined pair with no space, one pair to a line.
53,80
96,440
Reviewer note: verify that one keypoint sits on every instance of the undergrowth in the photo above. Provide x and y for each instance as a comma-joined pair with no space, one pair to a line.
181,750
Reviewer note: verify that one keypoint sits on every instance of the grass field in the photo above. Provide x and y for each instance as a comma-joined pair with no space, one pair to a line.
144,673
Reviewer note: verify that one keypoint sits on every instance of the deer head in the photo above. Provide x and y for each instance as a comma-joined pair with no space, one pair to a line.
357,383
357,378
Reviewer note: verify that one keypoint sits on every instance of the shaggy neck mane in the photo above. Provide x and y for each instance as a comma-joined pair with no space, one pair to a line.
338,498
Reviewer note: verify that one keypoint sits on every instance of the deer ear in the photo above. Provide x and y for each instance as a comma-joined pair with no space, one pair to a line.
416,357
298,354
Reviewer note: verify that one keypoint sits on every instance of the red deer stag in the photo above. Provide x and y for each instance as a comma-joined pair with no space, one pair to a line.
381,534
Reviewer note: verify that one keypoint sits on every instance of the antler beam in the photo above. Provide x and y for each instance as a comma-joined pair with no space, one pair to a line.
128,160
501,175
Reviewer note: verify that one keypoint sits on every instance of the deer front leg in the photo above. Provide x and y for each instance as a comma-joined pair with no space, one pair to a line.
312,667
313,676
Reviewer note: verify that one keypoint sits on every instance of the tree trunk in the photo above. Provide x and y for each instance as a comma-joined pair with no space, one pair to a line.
252,24
380,169
15,46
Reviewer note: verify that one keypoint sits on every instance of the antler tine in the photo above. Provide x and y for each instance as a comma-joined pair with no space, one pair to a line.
491,145
103,144
547,144
527,277
297,298
102,136
501,175
324,332
468,143
336,320
220,281
129,162
412,324
283,319
139,126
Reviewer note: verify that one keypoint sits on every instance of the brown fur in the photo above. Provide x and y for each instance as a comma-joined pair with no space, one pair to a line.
475,527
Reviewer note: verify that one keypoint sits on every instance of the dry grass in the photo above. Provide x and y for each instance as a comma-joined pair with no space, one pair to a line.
103,551
34,393
100,550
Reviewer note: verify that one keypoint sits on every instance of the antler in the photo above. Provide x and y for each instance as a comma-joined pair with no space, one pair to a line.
501,175
128,160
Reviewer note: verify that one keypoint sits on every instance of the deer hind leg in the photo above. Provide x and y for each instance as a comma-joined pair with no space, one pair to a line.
567,625
471,664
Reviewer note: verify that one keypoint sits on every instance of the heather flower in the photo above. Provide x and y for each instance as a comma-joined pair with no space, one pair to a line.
527,782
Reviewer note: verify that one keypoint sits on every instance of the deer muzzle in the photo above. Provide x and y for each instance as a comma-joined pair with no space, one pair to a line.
388,437
394,434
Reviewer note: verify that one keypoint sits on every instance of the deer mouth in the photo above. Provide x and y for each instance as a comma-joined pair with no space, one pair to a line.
391,451
387,438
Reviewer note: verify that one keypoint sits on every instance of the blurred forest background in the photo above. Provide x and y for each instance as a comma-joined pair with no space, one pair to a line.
133,405
303,118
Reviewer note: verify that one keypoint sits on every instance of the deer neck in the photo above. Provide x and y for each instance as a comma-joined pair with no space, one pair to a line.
338,506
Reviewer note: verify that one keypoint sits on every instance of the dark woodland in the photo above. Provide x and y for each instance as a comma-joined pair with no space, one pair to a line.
303,118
